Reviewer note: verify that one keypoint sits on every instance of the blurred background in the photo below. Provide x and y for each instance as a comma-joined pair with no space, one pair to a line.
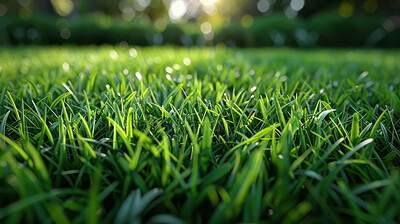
232,23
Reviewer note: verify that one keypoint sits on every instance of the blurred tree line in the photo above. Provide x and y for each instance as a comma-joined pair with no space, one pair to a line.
153,9
243,23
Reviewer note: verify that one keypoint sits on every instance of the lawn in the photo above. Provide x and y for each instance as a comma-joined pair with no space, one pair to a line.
178,135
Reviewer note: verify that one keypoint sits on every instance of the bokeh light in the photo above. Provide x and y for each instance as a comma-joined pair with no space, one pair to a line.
3,9
206,27
263,6
370,6
346,9
24,3
62,7
177,9
246,21
296,5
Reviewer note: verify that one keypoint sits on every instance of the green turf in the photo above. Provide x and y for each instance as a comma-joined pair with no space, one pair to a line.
170,135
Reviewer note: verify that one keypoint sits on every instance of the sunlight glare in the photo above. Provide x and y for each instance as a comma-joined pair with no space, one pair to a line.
177,9
208,2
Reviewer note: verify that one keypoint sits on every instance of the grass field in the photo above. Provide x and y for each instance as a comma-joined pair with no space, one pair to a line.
174,135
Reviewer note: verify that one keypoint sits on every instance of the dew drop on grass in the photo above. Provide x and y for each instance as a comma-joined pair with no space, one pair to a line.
219,67
237,74
280,156
65,66
270,212
189,76
284,78
177,67
169,70
364,74
252,72
180,79
187,61
133,52
107,86
113,55
253,88
125,72
168,77
139,76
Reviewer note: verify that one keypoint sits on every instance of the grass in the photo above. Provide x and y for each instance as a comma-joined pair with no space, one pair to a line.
173,135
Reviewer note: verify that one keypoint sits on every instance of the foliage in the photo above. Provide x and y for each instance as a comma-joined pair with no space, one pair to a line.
192,135
234,34
335,30
326,29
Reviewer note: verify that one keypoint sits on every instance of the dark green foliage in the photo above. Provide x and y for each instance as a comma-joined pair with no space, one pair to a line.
335,30
98,29
275,30
43,28
236,35
173,34
327,29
